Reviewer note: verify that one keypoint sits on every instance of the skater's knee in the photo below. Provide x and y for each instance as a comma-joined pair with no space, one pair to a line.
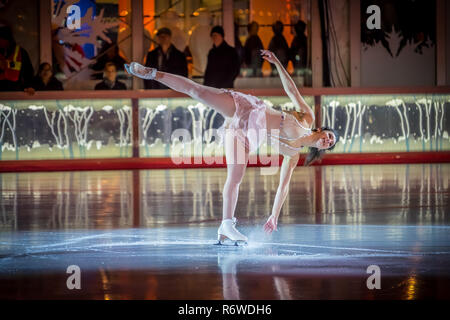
233,182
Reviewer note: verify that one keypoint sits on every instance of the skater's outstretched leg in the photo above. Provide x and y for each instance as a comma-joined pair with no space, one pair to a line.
236,154
212,97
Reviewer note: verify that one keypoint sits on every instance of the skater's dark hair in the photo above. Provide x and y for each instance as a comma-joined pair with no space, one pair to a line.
316,153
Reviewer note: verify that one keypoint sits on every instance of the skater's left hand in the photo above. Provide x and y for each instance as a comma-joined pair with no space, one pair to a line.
271,224
269,56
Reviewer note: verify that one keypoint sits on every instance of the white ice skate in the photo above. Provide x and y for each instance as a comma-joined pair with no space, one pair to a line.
140,71
228,230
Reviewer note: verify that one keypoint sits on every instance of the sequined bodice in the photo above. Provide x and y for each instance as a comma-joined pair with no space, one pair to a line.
253,116
289,124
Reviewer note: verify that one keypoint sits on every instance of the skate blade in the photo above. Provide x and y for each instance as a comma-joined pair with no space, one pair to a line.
220,240
235,243
231,244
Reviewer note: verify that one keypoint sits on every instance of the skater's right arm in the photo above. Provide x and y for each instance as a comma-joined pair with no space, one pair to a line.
287,168
289,86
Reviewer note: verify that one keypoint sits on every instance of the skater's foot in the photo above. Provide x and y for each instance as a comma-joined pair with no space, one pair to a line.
140,71
227,230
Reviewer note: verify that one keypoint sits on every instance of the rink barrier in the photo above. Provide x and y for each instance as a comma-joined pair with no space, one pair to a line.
137,161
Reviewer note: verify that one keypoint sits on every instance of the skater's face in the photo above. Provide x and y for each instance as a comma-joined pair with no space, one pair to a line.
217,39
325,139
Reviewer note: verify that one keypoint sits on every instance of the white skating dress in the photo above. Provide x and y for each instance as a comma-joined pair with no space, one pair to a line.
249,125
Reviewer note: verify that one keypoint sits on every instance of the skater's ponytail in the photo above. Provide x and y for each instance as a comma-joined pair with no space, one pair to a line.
316,153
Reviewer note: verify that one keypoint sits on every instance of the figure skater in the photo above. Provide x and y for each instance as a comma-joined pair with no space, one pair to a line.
242,113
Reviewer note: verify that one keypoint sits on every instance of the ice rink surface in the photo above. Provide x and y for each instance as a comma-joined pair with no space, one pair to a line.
394,217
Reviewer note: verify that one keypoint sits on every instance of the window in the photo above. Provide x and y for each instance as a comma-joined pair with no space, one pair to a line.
80,53
281,26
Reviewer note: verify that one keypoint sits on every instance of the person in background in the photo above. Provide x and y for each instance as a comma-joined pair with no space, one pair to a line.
299,46
16,70
252,47
45,80
223,62
238,44
109,79
110,55
166,57
278,45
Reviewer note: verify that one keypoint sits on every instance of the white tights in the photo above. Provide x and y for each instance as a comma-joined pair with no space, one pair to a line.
223,103
215,98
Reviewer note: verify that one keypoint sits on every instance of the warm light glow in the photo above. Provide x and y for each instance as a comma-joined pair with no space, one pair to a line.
267,12
149,13
411,292
105,284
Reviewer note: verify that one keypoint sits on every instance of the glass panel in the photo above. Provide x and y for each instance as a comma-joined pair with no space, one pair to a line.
72,129
388,123
81,52
65,129
256,28
159,118
190,22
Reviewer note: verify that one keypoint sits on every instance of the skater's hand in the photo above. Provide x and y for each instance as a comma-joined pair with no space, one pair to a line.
271,224
269,56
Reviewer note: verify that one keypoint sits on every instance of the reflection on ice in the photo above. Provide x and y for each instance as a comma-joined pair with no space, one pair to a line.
294,249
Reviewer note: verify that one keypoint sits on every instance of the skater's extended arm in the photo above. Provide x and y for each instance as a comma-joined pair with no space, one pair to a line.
289,86
287,167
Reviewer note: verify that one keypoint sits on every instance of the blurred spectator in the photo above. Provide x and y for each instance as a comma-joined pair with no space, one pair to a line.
45,80
253,46
278,45
166,57
223,62
299,46
109,55
238,45
16,70
109,79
